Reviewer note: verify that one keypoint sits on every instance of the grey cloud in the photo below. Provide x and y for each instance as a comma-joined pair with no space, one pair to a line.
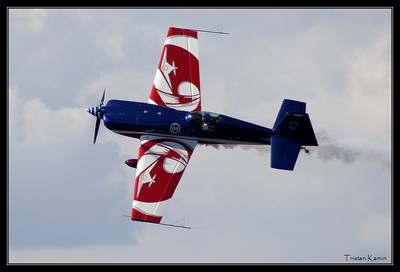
59,193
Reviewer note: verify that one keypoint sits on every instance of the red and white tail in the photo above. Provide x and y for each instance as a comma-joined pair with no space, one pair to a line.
177,81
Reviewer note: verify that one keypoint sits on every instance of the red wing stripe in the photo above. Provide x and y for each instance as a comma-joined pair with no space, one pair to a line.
139,216
172,31
177,81
160,166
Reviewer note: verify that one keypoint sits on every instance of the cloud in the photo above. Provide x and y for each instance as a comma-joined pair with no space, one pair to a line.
111,44
53,165
85,254
265,208
300,65
13,106
128,84
369,86
43,127
375,230
31,19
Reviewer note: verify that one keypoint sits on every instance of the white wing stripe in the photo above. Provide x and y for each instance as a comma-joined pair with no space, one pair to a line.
185,107
170,165
160,83
193,45
145,207
188,43
151,101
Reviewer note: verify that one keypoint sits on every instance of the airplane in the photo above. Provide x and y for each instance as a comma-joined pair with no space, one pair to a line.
172,123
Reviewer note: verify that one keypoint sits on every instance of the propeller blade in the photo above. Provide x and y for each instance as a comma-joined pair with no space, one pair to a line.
102,98
96,130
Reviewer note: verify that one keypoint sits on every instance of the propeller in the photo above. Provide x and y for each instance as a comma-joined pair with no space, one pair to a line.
96,130
98,113
102,98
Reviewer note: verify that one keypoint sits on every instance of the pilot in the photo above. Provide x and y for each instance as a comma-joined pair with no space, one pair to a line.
203,120
195,119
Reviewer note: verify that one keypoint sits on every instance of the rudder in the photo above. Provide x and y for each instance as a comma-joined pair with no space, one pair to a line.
292,130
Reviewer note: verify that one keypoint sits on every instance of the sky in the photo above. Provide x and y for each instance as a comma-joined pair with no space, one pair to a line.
67,197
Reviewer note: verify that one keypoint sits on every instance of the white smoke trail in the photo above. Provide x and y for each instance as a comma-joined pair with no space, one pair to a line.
262,149
328,149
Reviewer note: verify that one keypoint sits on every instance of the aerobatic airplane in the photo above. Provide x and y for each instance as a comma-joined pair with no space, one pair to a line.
172,123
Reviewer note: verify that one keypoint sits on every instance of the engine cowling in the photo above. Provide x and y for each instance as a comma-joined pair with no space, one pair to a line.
132,163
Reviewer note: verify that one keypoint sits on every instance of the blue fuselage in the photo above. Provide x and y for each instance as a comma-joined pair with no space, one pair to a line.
134,119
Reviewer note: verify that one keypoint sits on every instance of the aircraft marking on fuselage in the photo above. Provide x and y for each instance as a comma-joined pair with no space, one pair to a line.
175,128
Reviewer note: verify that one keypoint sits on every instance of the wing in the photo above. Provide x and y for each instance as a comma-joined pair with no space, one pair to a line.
161,163
177,81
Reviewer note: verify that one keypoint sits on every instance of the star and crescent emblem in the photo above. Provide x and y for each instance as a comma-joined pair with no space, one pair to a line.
167,68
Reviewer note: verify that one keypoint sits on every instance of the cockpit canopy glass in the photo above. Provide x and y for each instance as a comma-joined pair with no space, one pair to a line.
203,119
